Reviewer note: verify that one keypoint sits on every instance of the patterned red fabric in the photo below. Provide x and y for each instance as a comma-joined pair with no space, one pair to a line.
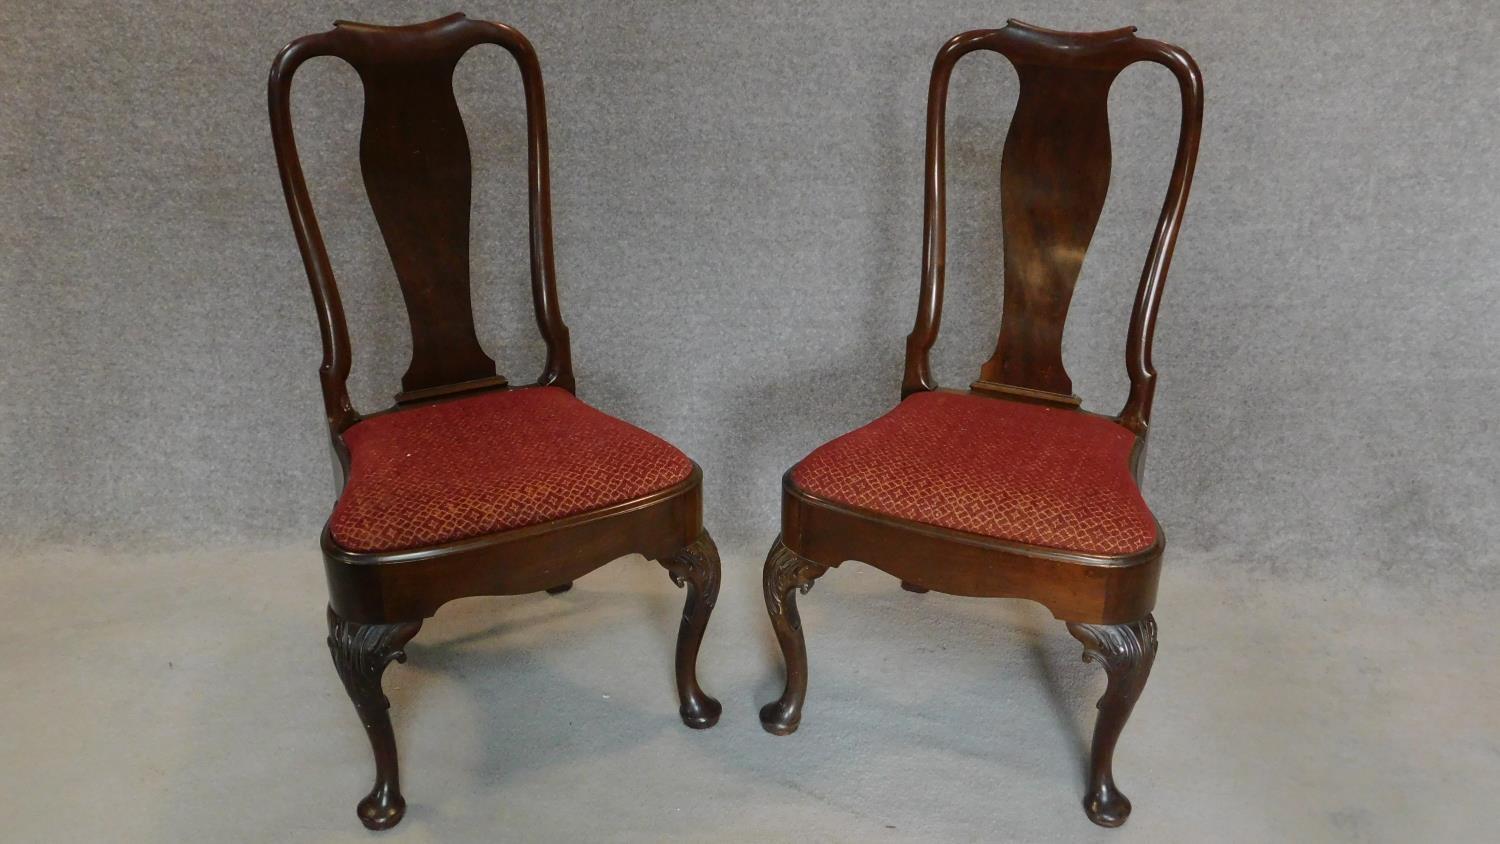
489,463
1015,471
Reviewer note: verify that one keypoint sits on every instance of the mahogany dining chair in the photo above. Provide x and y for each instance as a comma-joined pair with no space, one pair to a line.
468,485
1010,489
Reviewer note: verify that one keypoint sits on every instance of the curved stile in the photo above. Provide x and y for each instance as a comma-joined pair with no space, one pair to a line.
1055,174
415,160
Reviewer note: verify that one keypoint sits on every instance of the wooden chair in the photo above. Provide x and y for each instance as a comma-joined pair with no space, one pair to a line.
467,486
1010,489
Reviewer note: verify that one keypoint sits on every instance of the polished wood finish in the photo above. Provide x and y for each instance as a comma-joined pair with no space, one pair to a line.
1056,165
1127,652
414,155
361,653
1054,178
696,568
415,159
786,574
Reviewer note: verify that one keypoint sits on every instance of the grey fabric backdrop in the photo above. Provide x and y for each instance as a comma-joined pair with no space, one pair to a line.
737,192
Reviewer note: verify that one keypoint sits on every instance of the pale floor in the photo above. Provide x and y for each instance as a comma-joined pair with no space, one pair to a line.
189,697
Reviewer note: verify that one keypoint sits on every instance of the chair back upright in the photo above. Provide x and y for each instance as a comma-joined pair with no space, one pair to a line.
1054,176
414,157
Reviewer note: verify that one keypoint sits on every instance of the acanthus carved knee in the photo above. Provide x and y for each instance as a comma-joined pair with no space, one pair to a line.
698,564
1126,651
361,653
786,571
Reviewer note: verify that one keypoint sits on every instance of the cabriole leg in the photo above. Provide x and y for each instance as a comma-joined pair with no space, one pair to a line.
785,575
1126,651
697,567
360,653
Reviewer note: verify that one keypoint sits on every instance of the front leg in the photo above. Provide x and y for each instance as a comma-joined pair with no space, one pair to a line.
360,654
1127,652
785,575
697,567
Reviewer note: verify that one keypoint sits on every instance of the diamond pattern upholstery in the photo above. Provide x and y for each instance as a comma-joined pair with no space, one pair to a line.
489,463
1029,473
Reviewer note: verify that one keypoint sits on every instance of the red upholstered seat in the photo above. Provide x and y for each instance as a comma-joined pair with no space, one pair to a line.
1022,472
490,463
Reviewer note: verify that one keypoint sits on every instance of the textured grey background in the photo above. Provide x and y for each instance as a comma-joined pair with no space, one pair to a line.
737,189
737,192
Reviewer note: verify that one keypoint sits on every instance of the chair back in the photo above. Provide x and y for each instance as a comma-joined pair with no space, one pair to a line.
414,157
1054,176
